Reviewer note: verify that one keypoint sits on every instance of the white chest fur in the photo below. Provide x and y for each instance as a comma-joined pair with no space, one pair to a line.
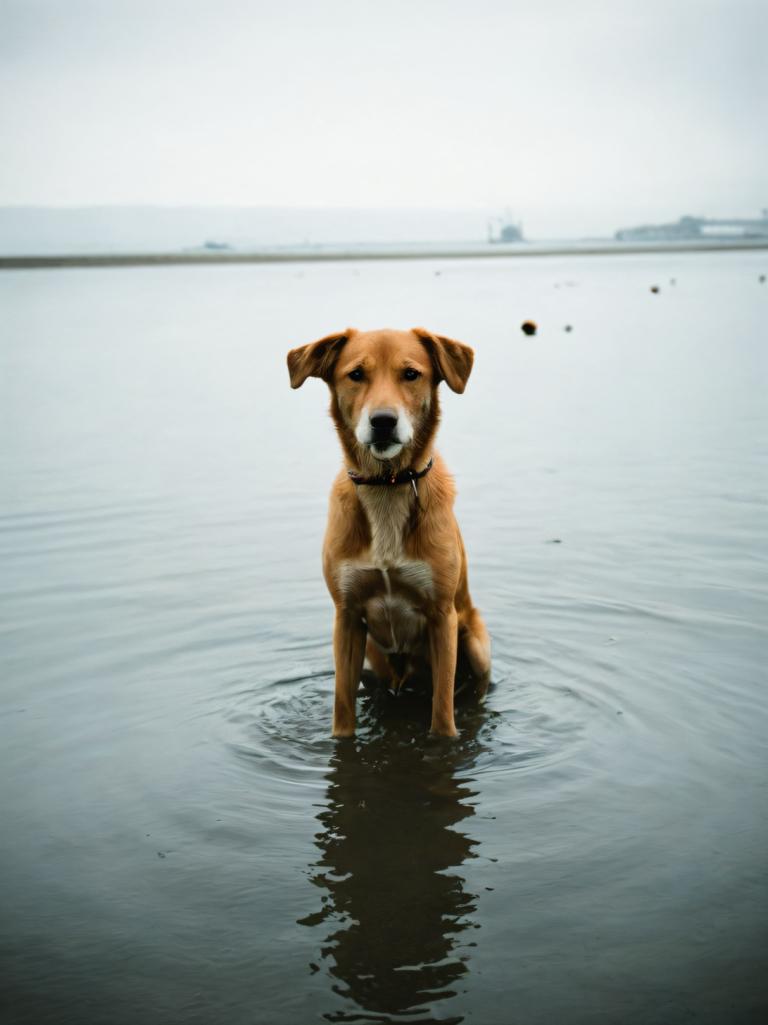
389,512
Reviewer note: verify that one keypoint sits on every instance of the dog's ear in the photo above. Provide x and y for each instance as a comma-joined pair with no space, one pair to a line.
452,360
316,359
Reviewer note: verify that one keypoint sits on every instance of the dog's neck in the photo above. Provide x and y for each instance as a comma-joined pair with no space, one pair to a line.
389,512
390,479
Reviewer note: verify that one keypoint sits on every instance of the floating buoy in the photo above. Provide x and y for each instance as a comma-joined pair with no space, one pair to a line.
567,328
528,327
761,279
655,289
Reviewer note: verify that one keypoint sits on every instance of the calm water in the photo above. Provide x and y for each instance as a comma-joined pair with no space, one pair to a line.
182,842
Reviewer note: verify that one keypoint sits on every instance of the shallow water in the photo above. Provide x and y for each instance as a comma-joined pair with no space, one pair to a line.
182,841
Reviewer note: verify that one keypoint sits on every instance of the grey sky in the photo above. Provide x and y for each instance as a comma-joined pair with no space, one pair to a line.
580,116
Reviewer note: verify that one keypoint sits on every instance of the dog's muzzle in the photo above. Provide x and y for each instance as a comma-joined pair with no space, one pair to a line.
384,432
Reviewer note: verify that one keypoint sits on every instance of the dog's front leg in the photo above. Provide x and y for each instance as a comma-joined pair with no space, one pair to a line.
443,641
349,633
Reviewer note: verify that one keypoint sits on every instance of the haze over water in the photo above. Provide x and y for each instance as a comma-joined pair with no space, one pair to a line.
182,840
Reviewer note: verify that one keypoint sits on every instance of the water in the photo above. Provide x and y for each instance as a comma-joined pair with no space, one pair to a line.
182,841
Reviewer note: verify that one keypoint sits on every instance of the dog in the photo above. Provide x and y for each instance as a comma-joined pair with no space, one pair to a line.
393,557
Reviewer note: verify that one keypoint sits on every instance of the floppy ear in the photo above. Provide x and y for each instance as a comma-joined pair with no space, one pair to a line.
316,359
452,360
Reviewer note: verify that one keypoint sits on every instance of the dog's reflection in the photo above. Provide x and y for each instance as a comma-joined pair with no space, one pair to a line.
397,915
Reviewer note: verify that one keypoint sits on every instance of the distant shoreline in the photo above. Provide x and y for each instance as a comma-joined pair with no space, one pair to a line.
415,252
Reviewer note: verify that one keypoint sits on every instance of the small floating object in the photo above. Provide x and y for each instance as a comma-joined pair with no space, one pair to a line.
673,281
567,328
529,327
761,279
655,289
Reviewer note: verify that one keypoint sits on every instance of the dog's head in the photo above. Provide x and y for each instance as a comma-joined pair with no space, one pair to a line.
384,386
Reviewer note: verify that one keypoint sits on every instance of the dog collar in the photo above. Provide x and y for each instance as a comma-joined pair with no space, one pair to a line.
391,479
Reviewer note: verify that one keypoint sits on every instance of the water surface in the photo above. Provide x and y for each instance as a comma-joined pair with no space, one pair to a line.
183,842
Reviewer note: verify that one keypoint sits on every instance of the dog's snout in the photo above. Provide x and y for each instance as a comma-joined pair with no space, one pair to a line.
383,422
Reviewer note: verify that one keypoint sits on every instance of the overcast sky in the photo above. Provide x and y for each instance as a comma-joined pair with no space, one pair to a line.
579,115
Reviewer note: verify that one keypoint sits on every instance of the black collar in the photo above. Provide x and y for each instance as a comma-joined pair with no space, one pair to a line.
391,479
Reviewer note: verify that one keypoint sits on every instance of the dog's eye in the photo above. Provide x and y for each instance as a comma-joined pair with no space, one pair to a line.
356,374
411,374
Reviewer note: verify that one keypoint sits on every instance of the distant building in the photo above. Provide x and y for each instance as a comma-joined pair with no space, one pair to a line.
691,228
508,232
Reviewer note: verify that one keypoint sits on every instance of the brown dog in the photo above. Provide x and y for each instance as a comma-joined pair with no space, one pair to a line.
393,556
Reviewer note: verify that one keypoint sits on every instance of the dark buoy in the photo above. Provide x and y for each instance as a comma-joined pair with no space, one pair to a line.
567,328
655,289
761,279
528,327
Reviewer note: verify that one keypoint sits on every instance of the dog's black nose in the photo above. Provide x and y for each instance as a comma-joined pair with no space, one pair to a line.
383,422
